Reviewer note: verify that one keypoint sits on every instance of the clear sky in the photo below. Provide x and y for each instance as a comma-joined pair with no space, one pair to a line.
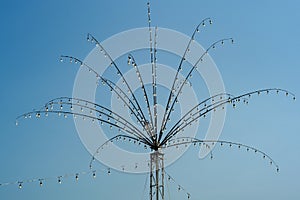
265,54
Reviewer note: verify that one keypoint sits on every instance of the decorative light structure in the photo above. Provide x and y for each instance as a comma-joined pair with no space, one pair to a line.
152,136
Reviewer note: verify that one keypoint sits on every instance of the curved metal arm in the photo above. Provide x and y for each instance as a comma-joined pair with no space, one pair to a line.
93,39
132,61
128,130
202,23
117,137
93,107
220,103
188,140
220,96
215,105
110,115
194,116
119,122
112,87
186,78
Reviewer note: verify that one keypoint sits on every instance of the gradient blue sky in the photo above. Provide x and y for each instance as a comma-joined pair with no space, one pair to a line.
33,36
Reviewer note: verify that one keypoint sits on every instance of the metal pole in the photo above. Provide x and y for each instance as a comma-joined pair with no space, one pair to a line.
157,180
151,176
157,175
162,178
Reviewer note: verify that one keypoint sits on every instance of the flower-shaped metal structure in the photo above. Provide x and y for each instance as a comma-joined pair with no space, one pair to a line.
148,131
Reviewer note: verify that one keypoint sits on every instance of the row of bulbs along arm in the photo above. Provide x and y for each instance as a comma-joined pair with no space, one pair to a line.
184,142
115,120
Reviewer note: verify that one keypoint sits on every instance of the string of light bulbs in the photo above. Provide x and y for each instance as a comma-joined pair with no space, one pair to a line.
76,176
41,181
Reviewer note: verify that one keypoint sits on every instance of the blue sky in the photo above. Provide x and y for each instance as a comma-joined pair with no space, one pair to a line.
33,36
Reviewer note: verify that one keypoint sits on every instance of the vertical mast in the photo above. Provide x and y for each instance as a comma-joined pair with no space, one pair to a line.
157,176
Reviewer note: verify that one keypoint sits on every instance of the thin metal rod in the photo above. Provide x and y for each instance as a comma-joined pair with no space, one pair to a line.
111,140
118,119
176,76
217,104
152,60
154,77
204,102
118,72
187,76
135,65
93,107
189,140
112,86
